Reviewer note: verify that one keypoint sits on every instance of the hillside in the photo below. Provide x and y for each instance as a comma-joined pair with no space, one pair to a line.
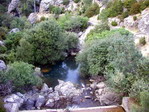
65,54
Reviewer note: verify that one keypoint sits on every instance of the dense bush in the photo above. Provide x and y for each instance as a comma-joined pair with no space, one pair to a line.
134,18
21,75
115,9
144,4
128,4
20,23
135,9
92,10
55,9
114,23
142,41
66,2
3,32
105,34
77,1
73,23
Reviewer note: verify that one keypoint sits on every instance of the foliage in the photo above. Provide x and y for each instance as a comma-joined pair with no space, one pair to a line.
3,32
3,49
20,23
142,41
134,18
24,52
135,8
66,2
21,75
71,40
92,10
144,4
129,3
47,39
115,9
73,23
114,23
77,1
55,9
105,34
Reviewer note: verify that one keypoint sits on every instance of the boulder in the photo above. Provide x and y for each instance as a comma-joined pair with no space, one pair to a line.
67,89
101,85
14,99
32,18
40,101
143,24
11,107
2,65
46,89
29,104
14,30
110,99
44,5
13,6
38,72
50,103
130,23
1,43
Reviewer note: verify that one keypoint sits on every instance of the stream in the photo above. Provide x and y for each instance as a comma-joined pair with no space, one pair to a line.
67,70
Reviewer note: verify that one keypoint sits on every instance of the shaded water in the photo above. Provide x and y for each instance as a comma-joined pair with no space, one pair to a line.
67,70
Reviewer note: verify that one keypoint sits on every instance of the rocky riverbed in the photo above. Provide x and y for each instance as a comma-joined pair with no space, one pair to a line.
64,95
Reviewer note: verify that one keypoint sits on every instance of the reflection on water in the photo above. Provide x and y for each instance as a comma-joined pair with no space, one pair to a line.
68,70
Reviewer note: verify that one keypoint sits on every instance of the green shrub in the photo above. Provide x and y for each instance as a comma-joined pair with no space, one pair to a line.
142,41
3,32
135,8
114,23
92,10
21,75
144,4
56,10
72,40
125,14
42,19
24,51
3,49
66,2
134,18
20,23
76,1
73,23
105,34
128,4
115,9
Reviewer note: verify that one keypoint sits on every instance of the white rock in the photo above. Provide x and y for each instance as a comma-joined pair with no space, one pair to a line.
50,103
2,65
14,30
11,107
32,18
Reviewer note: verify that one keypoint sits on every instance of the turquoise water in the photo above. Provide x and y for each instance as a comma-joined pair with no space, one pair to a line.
67,70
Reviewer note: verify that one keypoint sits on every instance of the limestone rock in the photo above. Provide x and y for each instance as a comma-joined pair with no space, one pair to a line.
14,30
130,23
50,103
109,99
143,25
2,65
11,107
45,89
32,18
13,6
40,101
44,5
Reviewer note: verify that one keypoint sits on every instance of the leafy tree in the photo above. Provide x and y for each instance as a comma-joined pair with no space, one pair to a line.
47,39
21,75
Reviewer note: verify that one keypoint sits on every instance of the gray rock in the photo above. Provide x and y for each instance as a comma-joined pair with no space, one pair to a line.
50,103
109,99
32,18
38,71
143,25
101,85
29,104
14,30
13,6
11,107
1,43
45,88
130,23
2,65
44,5
40,101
